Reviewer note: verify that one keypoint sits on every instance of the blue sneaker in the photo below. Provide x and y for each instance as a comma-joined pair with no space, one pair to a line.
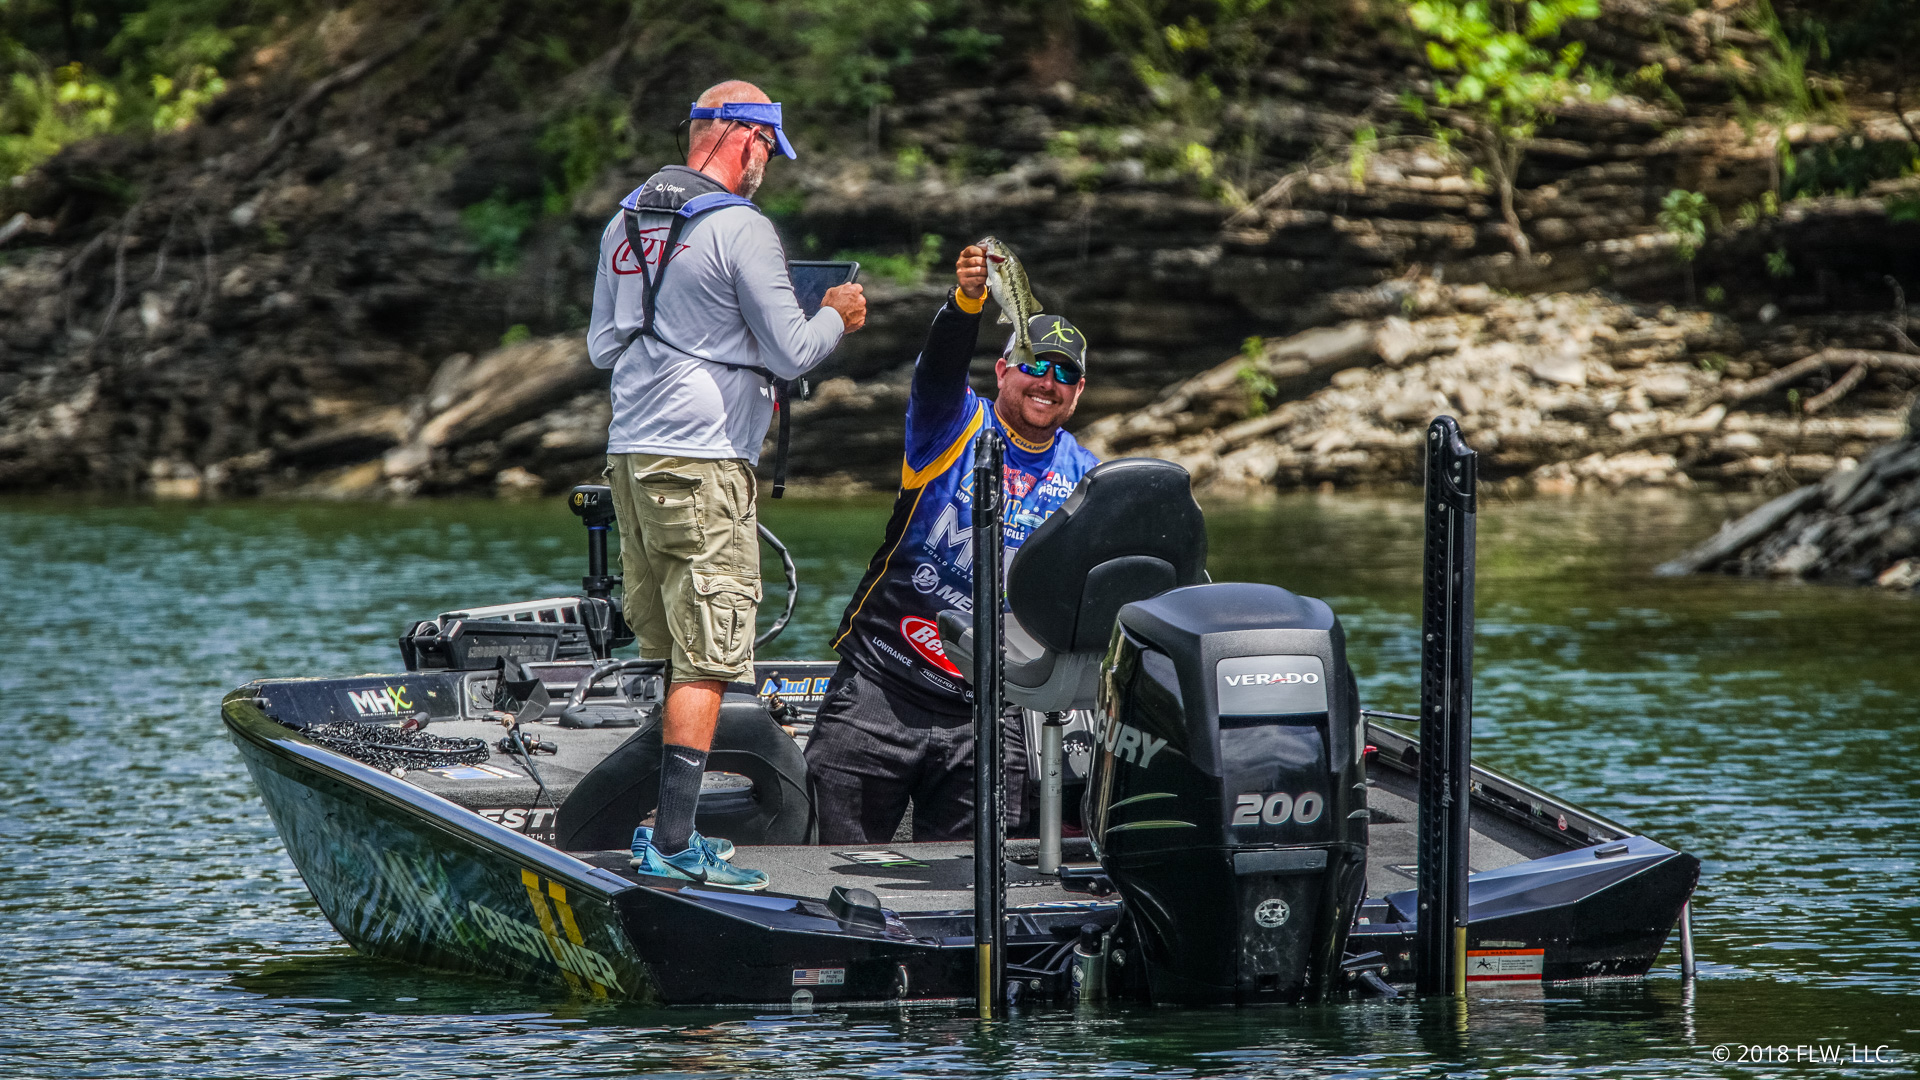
700,864
643,839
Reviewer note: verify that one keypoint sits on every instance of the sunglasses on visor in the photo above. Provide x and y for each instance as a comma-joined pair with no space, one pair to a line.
1063,373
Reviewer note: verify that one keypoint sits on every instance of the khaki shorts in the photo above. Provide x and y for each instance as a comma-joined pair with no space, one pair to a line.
690,553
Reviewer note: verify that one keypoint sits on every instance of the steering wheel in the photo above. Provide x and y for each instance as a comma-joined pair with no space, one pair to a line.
793,587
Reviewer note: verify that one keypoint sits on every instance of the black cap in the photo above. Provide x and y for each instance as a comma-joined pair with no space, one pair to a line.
1053,334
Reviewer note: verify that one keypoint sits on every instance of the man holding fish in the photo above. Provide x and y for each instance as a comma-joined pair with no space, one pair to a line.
896,725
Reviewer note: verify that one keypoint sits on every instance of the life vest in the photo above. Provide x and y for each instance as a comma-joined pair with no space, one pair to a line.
658,198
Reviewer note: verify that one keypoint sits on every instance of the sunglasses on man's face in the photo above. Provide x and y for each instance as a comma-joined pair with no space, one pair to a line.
1063,373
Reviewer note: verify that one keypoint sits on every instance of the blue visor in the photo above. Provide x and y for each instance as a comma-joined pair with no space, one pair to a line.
765,113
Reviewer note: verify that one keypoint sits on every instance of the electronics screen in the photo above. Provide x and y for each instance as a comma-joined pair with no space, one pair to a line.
811,280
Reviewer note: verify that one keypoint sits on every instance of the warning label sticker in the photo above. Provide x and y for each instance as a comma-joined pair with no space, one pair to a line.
1505,965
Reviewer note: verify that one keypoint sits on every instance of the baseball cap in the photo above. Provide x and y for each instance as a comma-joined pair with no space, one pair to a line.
1053,334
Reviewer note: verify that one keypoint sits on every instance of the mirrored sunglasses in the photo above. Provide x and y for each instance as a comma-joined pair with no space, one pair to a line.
1063,373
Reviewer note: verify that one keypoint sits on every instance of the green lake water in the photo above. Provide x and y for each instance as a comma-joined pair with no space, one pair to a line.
151,925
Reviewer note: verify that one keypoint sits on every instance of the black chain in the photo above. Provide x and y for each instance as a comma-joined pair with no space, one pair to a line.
392,748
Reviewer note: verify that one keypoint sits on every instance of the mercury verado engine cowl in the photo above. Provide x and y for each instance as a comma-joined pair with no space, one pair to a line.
1227,797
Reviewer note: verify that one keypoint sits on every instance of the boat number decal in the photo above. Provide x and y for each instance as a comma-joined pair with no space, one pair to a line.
1126,742
380,701
1272,913
1505,965
819,976
1256,808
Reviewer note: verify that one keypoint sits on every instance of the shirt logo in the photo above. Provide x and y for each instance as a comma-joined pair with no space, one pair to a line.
623,260
926,578
1019,483
924,636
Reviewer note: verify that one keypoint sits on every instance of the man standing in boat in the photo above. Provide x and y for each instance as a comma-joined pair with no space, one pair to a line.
694,354
896,724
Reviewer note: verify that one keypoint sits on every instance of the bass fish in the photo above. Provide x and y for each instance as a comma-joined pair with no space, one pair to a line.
1007,282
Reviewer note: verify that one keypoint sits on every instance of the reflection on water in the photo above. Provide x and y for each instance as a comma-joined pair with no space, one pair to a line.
153,927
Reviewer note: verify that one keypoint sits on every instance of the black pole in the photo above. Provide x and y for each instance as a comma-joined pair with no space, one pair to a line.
1446,711
989,751
593,504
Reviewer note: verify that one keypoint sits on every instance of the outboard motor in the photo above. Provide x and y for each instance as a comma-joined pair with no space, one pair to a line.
1227,798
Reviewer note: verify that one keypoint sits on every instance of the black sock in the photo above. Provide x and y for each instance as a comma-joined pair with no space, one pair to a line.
681,768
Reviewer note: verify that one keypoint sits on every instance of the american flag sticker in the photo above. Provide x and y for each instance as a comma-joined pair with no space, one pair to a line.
819,976
1505,965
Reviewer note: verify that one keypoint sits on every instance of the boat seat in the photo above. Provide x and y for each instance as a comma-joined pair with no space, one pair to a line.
1129,531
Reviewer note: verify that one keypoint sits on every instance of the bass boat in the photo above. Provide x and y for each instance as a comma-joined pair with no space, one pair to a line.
1219,820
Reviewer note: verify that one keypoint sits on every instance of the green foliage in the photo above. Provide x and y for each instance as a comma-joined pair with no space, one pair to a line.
1904,208
909,163
43,112
495,226
906,270
1714,295
1190,55
1751,213
1778,75
1491,62
1256,385
1683,216
516,334
1777,264
579,145
1846,167
1366,143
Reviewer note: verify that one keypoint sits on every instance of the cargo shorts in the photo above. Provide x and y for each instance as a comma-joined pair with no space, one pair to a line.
690,554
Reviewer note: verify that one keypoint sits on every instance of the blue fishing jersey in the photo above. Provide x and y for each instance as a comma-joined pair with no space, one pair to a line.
925,563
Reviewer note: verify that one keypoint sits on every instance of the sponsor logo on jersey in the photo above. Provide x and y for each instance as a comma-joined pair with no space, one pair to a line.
1019,483
1055,486
948,534
890,650
924,636
926,578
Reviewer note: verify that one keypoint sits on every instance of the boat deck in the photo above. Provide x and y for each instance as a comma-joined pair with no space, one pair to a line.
907,877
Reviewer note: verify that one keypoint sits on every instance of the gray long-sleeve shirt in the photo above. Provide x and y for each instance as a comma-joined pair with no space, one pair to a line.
727,297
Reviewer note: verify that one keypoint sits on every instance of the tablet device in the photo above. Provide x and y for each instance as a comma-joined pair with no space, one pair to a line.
812,279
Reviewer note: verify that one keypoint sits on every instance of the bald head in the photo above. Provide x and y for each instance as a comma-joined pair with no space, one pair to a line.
715,96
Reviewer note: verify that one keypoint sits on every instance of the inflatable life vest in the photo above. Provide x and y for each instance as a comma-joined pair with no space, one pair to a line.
652,197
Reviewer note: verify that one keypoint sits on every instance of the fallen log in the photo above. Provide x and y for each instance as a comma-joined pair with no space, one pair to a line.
1859,361
1736,535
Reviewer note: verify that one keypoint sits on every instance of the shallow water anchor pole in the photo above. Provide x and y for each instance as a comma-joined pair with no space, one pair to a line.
989,745
1446,711
1687,968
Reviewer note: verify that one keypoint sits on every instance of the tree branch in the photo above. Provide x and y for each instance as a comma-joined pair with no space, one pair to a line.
1861,360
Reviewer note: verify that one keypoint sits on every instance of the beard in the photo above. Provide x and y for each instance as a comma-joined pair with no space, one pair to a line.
750,179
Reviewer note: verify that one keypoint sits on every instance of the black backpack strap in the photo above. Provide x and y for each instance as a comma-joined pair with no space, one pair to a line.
650,283
782,403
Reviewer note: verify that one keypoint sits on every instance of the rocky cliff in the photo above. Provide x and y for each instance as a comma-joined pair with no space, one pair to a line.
309,289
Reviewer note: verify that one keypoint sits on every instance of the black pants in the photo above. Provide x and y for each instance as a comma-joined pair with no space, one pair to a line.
873,750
